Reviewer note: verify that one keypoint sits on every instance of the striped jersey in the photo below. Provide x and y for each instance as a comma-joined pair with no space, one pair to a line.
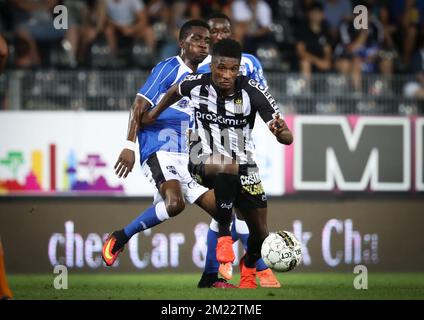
168,133
224,124
249,66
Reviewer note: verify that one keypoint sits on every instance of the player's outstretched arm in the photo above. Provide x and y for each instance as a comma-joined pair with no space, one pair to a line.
126,159
3,53
269,112
172,96
279,128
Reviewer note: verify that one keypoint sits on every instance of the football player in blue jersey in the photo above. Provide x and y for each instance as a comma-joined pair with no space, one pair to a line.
220,28
164,149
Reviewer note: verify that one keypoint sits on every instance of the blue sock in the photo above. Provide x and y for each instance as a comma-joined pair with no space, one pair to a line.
260,264
149,218
211,264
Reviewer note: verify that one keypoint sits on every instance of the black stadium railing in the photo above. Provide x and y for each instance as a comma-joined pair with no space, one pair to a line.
96,90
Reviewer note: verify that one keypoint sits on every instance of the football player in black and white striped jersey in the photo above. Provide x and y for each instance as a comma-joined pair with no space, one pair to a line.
224,108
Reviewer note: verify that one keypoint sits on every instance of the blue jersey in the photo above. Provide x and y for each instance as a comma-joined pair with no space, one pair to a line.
249,66
168,133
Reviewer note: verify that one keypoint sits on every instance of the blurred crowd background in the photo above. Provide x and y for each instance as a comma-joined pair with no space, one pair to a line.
310,38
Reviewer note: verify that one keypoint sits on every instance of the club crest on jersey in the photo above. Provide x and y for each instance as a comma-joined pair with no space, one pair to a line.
183,103
238,105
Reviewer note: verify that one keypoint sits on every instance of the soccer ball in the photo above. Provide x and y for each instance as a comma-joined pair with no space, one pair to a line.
281,251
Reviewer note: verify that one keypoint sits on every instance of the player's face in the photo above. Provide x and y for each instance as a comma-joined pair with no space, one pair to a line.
196,44
220,29
225,71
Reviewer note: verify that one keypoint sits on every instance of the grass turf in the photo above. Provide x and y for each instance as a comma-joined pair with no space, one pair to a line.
183,287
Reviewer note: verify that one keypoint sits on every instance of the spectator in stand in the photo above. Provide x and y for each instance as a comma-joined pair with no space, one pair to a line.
380,10
252,23
313,43
33,20
128,19
177,11
360,48
93,24
387,52
415,89
158,11
335,12
408,18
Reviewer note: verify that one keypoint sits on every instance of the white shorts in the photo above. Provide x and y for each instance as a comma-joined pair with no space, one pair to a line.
163,166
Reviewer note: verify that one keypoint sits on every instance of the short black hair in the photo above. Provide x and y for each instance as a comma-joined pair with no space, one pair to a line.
186,27
219,15
227,48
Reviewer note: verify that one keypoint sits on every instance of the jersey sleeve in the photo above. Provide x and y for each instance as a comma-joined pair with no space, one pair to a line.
258,72
262,101
189,82
156,81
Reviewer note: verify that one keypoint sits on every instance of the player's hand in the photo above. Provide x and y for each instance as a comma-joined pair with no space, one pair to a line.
277,125
125,163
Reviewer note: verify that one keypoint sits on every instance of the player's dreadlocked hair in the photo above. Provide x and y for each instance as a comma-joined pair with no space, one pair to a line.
186,28
227,48
219,15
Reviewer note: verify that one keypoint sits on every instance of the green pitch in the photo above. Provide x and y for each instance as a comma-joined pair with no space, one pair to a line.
183,287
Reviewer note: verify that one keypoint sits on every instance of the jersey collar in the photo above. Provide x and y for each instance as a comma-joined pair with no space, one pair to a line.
188,69
237,87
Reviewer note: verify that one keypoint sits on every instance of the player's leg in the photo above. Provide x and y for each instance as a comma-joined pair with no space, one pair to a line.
196,193
163,210
212,266
210,271
152,216
265,275
218,253
210,277
256,220
169,202
222,174
252,205
224,247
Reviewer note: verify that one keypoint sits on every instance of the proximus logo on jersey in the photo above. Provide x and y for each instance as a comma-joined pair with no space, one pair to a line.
219,119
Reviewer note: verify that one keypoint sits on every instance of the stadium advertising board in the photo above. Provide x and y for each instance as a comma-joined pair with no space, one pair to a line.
56,153
355,153
375,153
335,235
